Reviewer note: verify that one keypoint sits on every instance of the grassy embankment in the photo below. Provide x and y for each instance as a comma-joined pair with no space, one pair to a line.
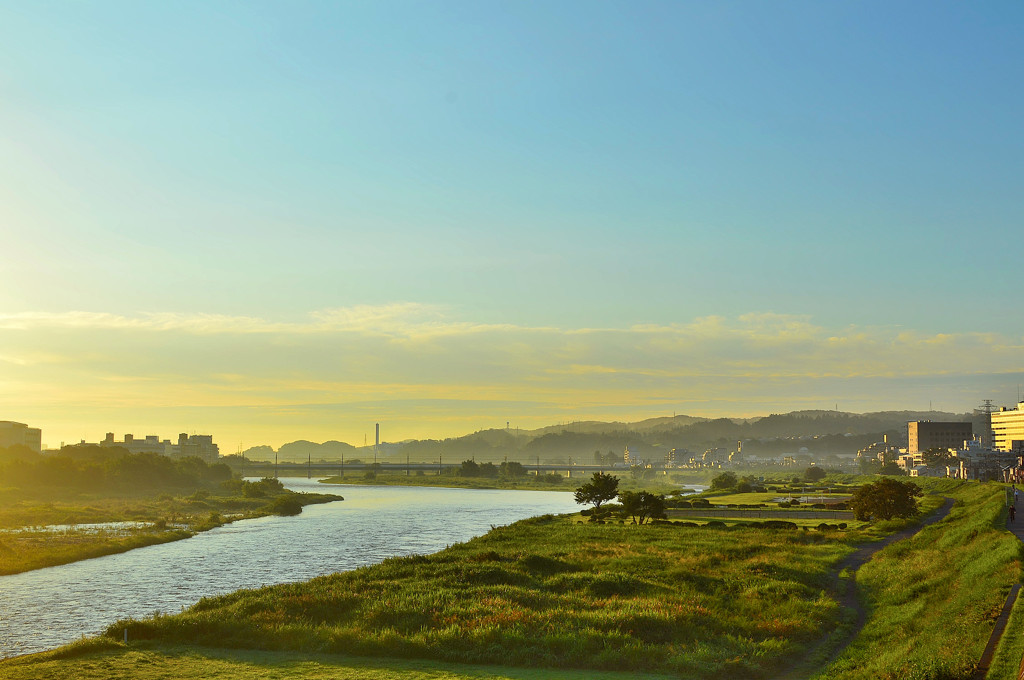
26,544
694,602
933,599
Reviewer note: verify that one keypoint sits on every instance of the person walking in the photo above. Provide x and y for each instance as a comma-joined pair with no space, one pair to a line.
1013,512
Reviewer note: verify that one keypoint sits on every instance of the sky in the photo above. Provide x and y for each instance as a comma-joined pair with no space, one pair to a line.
271,221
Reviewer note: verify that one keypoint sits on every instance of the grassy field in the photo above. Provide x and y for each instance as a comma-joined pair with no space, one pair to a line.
26,545
933,599
695,602
569,599
113,661
1006,662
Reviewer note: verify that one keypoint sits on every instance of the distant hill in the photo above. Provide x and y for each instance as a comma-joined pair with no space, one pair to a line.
821,432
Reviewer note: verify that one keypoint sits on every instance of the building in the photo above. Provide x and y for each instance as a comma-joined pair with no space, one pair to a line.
196,445
1007,428
926,434
20,434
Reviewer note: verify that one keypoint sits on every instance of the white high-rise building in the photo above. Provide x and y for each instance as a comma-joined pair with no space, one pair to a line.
1008,427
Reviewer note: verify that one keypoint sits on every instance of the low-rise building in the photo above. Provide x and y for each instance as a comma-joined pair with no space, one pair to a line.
195,445
20,434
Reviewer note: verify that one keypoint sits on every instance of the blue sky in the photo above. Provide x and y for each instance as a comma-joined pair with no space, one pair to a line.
177,179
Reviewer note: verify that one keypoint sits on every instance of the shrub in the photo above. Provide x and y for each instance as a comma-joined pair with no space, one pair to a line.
726,480
286,505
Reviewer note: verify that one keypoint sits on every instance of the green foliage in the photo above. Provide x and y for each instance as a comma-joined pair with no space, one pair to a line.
100,469
642,506
549,593
892,469
511,470
286,505
885,499
937,457
933,597
726,480
471,468
814,474
598,490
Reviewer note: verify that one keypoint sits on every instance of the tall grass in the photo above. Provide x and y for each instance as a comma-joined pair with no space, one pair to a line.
933,599
697,602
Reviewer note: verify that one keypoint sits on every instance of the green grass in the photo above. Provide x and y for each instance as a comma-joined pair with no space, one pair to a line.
933,599
754,498
178,518
1007,659
695,602
577,598
143,662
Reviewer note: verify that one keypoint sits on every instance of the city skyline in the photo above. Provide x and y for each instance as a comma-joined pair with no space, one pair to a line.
270,222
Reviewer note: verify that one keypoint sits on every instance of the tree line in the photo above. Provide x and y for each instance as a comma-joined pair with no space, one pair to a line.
106,469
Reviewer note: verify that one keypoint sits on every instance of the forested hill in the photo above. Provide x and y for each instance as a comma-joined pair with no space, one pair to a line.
820,432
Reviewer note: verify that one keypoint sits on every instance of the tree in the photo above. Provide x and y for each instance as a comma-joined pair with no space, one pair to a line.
512,469
885,499
814,474
891,468
726,480
642,506
937,457
868,466
599,489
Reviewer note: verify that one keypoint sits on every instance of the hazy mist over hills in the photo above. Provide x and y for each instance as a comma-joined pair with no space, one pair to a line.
836,433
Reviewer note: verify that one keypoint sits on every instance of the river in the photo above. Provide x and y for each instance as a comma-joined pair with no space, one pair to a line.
46,608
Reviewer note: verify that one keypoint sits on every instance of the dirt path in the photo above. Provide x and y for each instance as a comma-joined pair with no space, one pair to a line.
848,599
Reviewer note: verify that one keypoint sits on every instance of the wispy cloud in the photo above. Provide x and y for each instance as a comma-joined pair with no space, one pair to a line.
423,354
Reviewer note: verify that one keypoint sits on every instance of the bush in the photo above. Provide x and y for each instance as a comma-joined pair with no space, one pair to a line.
778,524
286,505
726,480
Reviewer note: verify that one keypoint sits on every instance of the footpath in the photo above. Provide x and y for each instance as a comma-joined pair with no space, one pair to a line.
848,599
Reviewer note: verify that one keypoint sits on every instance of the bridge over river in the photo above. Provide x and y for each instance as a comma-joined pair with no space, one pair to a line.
313,469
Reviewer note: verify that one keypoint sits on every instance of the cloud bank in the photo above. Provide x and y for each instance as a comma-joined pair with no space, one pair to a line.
430,373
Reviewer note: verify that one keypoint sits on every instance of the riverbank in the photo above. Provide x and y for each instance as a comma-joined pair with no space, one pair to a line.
558,594
133,522
549,482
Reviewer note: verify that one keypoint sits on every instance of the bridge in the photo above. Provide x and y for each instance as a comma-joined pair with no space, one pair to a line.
309,469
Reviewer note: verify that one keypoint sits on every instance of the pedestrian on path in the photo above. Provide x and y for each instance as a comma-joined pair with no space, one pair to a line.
1013,512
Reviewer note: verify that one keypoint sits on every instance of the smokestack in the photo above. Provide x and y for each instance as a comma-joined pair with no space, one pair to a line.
377,440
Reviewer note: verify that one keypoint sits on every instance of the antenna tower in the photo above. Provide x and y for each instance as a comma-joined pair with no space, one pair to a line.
986,407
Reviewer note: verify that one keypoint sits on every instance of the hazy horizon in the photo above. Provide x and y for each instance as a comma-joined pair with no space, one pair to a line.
271,221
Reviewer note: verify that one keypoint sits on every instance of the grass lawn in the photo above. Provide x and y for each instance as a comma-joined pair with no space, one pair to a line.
145,662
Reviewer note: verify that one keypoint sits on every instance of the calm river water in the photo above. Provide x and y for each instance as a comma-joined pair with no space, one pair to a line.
49,607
